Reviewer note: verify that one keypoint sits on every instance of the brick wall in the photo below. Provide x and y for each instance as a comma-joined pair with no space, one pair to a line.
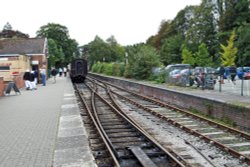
1,86
18,79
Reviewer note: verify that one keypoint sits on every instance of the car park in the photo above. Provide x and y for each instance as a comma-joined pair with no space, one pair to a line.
174,76
243,72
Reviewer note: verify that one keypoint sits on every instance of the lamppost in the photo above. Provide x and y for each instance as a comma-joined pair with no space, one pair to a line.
126,58
242,81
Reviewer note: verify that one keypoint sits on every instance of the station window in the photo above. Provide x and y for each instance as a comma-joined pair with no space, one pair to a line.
4,67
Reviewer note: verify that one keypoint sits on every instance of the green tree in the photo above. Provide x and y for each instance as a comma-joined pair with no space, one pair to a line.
170,52
54,55
117,52
60,35
145,59
109,51
228,55
187,56
164,31
98,50
202,57
243,45
203,29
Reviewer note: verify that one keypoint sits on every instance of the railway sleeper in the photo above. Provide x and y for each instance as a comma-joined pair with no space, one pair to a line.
116,135
117,127
127,140
112,123
98,147
119,131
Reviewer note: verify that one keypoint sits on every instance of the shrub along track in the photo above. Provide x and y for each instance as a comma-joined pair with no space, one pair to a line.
121,142
230,140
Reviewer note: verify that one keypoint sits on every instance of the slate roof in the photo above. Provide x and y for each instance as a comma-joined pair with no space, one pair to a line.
28,46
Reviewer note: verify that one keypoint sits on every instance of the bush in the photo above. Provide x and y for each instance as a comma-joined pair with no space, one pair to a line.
116,69
128,71
122,69
108,68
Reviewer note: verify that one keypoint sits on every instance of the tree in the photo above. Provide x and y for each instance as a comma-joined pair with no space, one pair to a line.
228,55
202,28
170,52
243,45
202,57
55,54
98,51
187,56
145,59
163,32
117,52
7,26
60,35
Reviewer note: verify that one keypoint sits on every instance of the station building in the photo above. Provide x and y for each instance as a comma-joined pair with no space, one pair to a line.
19,54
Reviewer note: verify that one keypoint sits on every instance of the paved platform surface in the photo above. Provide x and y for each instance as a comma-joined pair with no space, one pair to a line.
43,128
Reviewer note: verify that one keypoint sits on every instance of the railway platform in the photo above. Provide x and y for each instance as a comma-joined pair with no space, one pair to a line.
43,128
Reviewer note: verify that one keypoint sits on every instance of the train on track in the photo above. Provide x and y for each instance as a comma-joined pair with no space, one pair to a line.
78,70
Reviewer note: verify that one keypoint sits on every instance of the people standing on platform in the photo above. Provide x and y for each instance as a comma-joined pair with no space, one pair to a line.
32,81
227,73
36,76
65,71
43,75
233,72
26,78
53,73
60,72
9,87
221,73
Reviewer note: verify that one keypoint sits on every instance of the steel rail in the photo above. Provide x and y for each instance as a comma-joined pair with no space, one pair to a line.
230,129
145,132
220,145
149,137
116,162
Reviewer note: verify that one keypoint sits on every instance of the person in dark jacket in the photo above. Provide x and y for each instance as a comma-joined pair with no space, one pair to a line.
36,76
233,72
221,73
53,73
26,78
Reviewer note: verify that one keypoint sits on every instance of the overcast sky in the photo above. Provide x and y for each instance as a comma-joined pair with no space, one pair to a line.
130,21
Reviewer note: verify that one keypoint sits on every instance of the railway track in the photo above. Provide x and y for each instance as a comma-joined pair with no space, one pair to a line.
229,140
124,142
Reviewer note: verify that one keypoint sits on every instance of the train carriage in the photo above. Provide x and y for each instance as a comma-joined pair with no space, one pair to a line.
78,70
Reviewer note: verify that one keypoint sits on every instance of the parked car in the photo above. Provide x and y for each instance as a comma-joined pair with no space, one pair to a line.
245,73
172,67
174,76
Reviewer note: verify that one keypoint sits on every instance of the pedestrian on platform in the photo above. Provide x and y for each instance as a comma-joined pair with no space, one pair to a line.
65,71
60,72
227,74
53,73
221,73
43,75
32,81
9,87
26,78
36,76
233,72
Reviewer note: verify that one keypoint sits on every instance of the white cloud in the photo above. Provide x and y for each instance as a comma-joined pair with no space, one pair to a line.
130,21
